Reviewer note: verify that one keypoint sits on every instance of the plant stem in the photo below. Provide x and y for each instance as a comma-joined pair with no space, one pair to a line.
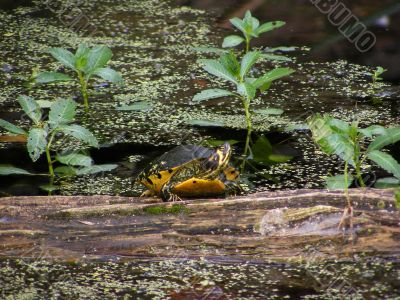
84,90
346,183
247,44
246,104
48,155
359,177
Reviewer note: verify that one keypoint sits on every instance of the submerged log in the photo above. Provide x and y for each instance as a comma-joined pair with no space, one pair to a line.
271,226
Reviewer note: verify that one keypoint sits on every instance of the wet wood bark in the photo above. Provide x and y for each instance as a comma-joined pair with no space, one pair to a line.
239,228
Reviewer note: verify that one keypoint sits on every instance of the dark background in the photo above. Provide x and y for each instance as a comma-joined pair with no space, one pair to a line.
306,25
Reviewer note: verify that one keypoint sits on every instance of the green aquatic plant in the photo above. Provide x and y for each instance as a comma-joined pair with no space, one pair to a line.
376,75
250,28
245,87
45,131
86,63
348,141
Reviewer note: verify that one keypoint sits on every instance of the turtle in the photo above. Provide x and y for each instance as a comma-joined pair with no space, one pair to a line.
190,171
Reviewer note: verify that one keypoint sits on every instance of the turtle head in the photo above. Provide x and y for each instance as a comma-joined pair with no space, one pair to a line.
219,160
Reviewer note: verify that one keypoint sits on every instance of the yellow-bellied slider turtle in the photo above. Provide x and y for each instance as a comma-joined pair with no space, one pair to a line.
190,171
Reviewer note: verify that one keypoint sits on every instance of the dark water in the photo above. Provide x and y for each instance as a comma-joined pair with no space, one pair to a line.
306,25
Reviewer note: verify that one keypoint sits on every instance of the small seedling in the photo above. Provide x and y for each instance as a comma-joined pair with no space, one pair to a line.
229,69
44,132
87,63
376,76
250,28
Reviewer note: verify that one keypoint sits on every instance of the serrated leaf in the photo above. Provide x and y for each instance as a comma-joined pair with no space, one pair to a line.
232,41
246,89
98,57
230,63
338,182
269,26
387,182
275,57
62,112
248,61
96,169
63,56
391,136
372,130
239,24
80,133
109,75
385,161
205,123
37,142
137,106
31,108
11,128
212,94
271,76
338,126
82,51
46,77
339,145
215,68
75,159
269,111
11,170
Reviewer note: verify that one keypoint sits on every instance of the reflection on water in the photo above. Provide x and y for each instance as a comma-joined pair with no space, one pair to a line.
306,25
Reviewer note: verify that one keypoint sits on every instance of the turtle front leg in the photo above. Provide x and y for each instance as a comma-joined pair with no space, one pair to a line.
148,193
232,188
167,195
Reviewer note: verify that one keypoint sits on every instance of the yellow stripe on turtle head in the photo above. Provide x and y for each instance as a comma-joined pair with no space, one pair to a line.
231,173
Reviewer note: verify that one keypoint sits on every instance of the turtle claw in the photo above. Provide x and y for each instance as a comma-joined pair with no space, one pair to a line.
174,198
148,193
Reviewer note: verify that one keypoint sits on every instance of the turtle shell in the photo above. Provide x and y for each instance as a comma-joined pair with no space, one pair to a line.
160,170
185,162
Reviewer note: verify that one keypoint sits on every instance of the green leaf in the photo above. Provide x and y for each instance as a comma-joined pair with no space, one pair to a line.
11,170
391,136
339,145
338,182
49,187
75,159
46,77
37,143
80,133
205,123
98,57
385,161
215,68
261,150
338,126
387,182
63,56
239,24
281,48
269,111
109,75
279,158
248,61
82,51
137,106
209,50
62,112
269,26
230,63
44,103
275,57
31,108
232,41
11,128
65,171
211,94
96,169
272,75
372,130
247,89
